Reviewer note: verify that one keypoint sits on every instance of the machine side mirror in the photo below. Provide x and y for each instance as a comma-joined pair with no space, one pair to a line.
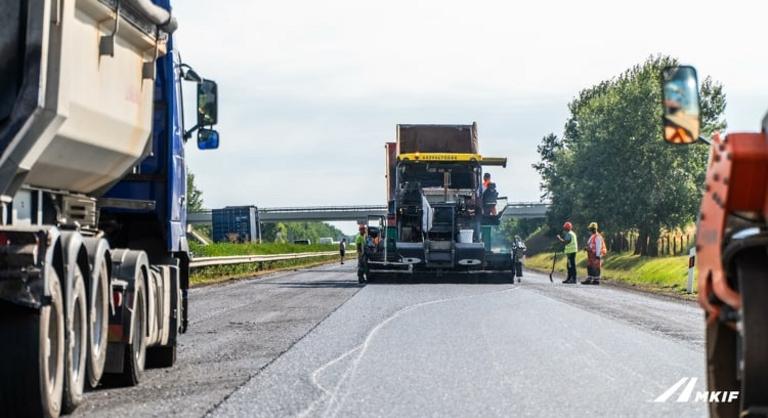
207,103
681,103
207,139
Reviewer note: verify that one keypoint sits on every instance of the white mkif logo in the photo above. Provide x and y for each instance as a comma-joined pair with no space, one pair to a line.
705,396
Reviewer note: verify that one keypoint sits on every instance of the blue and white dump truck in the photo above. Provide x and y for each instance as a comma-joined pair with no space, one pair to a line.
94,261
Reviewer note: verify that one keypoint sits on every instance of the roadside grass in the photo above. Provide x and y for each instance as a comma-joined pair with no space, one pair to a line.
221,249
665,274
217,274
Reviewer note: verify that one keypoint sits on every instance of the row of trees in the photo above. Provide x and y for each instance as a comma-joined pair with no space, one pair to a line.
291,231
278,232
612,166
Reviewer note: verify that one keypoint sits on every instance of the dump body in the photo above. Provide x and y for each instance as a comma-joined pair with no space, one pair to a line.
78,105
457,139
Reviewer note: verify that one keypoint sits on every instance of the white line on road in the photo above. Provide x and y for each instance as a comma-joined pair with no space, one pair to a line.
333,405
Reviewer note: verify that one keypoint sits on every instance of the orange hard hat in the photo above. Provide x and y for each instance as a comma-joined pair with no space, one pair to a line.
567,226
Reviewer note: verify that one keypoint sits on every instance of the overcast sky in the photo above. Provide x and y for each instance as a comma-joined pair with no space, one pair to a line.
310,90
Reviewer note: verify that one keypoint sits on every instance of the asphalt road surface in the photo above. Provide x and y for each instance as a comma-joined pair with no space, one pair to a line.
314,343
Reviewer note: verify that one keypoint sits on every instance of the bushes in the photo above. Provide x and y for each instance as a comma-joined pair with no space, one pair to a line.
223,249
213,274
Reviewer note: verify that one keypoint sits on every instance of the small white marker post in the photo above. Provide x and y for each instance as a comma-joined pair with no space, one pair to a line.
691,264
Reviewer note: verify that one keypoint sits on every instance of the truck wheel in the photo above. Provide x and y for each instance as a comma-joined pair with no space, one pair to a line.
753,286
76,342
161,356
722,365
35,359
98,316
136,350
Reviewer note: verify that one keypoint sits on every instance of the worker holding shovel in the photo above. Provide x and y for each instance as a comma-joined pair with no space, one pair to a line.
571,247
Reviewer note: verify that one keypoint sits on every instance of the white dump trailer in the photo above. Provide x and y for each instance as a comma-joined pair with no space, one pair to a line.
93,256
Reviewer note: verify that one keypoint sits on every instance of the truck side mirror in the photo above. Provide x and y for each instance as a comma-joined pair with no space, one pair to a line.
207,139
207,103
681,103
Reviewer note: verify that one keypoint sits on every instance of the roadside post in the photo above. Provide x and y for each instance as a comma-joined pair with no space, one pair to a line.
691,265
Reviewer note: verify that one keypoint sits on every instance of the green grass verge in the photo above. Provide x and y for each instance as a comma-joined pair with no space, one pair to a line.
223,249
216,274
666,274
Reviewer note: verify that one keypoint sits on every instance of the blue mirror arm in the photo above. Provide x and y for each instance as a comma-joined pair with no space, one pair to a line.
188,134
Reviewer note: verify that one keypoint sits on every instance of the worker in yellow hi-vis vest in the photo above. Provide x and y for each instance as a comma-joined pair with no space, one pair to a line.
571,247
360,247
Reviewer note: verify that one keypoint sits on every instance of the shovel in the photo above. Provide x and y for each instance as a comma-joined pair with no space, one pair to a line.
554,259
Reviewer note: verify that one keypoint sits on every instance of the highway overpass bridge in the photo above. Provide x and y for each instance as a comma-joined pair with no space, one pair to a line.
520,210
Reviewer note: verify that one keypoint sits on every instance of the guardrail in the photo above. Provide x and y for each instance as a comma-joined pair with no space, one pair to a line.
242,259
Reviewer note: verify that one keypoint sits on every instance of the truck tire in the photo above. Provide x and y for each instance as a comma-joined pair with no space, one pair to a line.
136,350
76,346
161,357
98,321
32,369
750,268
722,366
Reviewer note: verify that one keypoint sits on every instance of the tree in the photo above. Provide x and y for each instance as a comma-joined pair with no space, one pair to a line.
291,231
612,165
522,227
194,195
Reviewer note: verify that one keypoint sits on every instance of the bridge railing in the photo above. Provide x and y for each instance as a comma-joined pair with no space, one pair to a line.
340,212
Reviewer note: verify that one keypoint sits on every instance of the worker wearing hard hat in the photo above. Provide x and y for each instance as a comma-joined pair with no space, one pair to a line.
486,180
571,247
596,250
360,247
342,249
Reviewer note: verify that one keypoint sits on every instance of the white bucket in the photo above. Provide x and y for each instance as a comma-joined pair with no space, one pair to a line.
465,236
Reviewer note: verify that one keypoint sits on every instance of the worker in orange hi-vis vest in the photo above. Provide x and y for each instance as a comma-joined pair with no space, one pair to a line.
596,250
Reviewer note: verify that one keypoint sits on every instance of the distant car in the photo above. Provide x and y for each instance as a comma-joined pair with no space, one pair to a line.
302,241
325,241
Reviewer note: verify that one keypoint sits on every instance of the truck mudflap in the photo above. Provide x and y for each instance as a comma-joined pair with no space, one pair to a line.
499,261
25,254
471,254
411,252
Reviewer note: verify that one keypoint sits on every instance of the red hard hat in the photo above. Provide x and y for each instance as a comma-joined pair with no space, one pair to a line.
567,226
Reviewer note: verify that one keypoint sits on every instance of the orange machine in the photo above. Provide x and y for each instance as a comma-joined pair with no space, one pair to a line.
732,250
737,182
